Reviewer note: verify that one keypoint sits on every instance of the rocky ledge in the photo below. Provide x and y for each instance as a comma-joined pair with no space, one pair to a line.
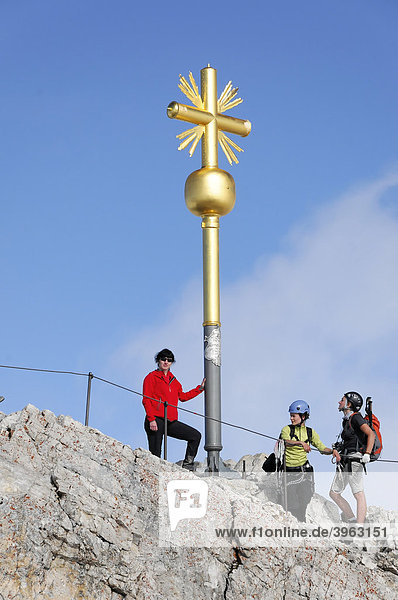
80,519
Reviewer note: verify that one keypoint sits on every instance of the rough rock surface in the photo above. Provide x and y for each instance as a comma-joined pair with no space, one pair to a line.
79,520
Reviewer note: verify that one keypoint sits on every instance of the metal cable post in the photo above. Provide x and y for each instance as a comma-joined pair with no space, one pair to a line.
165,431
90,378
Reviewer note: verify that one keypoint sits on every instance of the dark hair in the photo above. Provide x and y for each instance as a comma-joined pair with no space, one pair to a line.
165,353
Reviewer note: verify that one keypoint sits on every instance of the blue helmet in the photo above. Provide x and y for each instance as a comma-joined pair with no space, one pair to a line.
300,407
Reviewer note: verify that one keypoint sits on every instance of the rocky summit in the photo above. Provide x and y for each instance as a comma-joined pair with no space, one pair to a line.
82,517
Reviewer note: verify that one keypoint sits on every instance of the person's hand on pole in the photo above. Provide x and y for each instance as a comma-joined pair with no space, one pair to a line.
202,385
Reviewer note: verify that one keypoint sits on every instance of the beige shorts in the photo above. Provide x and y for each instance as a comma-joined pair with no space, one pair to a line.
352,477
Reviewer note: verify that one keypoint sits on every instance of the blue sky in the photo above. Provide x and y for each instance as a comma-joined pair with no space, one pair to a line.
101,260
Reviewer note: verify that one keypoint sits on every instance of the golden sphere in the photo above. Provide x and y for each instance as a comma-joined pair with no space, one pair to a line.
210,191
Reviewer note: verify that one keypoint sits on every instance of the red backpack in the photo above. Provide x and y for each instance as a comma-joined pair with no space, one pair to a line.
374,424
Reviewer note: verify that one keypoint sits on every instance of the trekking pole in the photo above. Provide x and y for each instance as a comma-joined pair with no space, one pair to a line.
165,431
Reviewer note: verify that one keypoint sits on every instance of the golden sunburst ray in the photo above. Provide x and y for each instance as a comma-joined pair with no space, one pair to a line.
228,153
192,135
224,92
191,91
195,88
226,100
226,143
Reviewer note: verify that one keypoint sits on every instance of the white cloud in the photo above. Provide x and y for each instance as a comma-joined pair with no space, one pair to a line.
319,318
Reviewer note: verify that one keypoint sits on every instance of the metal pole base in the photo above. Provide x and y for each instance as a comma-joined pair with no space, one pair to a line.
212,346
213,462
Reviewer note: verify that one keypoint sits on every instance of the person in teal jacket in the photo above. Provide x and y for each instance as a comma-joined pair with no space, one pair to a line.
299,473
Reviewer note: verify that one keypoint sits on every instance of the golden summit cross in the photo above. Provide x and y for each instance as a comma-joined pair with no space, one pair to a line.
210,194
208,116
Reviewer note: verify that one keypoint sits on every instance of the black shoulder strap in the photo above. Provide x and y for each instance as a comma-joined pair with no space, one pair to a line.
293,436
309,434
350,419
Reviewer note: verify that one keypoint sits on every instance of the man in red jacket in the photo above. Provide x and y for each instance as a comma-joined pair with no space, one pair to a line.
161,386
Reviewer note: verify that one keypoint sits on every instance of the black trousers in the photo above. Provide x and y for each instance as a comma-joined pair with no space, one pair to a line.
299,489
175,429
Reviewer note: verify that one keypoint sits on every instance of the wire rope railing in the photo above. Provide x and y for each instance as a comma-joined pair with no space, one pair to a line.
90,376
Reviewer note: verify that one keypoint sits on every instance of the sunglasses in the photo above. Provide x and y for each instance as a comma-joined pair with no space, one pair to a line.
170,360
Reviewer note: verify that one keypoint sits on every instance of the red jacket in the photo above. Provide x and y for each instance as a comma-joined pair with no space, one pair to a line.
169,390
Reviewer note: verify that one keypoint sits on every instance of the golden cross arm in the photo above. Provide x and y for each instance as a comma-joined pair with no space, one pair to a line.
183,112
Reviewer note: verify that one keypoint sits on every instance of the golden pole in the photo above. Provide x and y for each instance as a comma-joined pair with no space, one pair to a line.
210,194
211,270
208,80
210,224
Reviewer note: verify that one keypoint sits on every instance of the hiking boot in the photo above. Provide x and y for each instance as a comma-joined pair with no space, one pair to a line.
188,463
346,519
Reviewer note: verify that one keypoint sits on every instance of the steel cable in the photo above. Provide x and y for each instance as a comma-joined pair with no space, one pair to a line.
122,387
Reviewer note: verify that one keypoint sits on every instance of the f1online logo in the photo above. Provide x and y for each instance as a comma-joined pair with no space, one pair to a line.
187,499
